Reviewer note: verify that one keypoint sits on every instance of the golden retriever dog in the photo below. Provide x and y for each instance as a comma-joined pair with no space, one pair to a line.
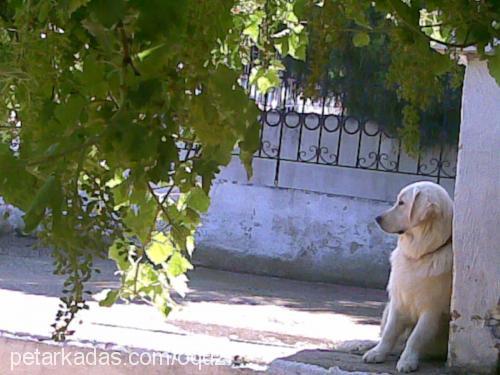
420,281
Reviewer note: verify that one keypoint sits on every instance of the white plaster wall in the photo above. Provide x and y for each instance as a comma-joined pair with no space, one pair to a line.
356,183
475,331
294,233
11,218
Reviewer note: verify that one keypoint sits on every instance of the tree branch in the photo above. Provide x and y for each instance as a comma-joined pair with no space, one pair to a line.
160,203
419,31
127,57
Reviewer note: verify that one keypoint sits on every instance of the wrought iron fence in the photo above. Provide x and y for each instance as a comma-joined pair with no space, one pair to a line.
303,131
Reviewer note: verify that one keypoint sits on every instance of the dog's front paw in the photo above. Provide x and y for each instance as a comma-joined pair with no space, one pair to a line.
374,356
355,346
407,363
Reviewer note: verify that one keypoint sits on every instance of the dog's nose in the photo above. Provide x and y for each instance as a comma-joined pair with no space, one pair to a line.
378,219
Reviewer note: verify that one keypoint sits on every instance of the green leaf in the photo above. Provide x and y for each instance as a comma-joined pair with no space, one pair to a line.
145,92
252,28
252,31
159,249
141,219
264,84
299,7
74,5
441,64
281,45
148,51
177,265
43,12
301,48
159,18
198,200
118,252
13,173
265,78
102,35
361,39
107,12
69,113
111,297
494,65
49,195
31,220
249,145
92,78
162,304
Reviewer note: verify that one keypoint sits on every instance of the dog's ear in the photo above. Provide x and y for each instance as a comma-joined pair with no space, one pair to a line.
430,211
422,209
413,206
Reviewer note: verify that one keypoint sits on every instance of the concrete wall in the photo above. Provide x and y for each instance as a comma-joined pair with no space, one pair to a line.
475,328
294,233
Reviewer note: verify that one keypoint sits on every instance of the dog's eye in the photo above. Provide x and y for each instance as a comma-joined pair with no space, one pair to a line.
400,203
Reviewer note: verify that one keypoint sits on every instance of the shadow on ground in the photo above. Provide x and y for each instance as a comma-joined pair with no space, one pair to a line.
28,270
363,305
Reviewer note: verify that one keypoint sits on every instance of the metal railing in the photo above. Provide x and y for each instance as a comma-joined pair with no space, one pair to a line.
303,131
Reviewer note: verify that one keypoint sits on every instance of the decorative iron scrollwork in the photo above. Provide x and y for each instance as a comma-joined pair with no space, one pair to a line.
322,134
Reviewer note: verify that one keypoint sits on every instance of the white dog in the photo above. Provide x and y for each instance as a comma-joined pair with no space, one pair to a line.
420,281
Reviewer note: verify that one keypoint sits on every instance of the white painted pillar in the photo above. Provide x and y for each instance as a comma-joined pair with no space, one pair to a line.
475,328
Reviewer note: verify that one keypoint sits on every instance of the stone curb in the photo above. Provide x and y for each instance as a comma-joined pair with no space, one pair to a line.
283,367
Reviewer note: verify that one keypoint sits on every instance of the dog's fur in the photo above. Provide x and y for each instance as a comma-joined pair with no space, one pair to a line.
420,281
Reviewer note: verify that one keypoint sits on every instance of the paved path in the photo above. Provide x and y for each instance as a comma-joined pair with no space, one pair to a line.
244,319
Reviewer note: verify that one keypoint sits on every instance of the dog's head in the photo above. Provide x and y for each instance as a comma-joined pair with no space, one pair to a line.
417,204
